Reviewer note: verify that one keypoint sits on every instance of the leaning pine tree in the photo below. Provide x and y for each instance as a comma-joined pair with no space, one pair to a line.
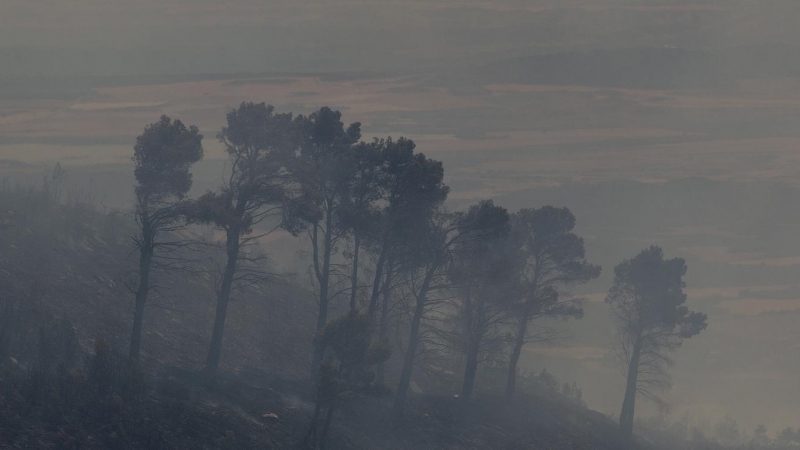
257,197
554,259
652,321
163,155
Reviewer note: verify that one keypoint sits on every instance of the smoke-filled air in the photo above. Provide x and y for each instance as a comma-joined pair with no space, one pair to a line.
400,224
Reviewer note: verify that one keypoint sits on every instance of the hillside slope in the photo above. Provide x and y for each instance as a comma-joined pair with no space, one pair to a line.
64,272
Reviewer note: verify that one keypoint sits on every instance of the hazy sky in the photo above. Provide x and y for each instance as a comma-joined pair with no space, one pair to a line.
181,36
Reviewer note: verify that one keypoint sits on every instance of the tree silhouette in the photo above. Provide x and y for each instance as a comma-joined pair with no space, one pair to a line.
326,171
261,146
433,246
411,189
163,155
360,213
554,258
484,275
652,321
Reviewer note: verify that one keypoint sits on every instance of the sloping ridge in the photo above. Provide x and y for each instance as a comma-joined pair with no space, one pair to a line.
261,399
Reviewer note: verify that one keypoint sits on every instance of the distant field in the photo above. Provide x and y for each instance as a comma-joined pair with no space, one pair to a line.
506,136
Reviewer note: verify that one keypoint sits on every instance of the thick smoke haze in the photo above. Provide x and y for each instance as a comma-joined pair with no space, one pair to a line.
674,123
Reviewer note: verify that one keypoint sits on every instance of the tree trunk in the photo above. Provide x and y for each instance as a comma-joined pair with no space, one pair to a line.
323,440
522,329
411,351
469,374
311,436
474,333
145,263
626,416
322,316
383,327
376,283
354,276
223,297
